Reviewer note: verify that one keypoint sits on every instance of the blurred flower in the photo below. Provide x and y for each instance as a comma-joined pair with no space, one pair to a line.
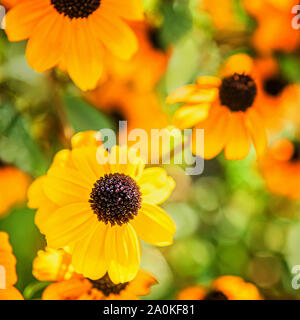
55,265
8,262
274,18
222,288
13,185
226,108
223,14
79,288
281,168
73,35
141,109
99,207
148,64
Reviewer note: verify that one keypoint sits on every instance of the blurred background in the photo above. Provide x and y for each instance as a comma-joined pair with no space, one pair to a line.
228,221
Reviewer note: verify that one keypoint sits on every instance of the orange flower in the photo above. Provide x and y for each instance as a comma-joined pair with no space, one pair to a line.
222,288
74,35
274,31
148,64
281,168
226,108
223,14
13,185
8,263
140,109
277,99
55,265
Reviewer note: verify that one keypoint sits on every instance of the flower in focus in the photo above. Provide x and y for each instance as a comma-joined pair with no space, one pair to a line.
226,108
222,288
13,186
273,18
281,168
99,204
8,262
55,265
74,34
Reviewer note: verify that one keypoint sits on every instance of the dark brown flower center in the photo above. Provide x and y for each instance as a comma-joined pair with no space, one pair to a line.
76,8
296,155
215,295
115,198
107,287
274,86
238,92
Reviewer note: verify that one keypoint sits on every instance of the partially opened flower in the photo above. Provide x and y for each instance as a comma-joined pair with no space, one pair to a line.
74,34
55,265
222,288
281,168
226,108
13,187
8,270
274,31
99,204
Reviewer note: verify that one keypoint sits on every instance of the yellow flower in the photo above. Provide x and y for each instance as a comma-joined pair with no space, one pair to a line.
13,186
74,34
226,108
101,210
8,261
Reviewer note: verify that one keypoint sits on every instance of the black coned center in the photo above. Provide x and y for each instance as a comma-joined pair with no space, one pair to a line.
296,154
76,8
215,295
107,287
115,198
238,92
275,85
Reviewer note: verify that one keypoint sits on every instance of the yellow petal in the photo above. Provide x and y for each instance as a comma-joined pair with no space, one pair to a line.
123,253
69,224
154,226
181,94
88,254
208,82
156,186
85,161
189,115
63,191
86,139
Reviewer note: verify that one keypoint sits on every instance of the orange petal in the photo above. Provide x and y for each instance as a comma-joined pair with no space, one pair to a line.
215,133
257,131
238,144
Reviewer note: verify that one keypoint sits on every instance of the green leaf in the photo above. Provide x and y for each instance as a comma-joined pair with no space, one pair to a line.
17,145
83,116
